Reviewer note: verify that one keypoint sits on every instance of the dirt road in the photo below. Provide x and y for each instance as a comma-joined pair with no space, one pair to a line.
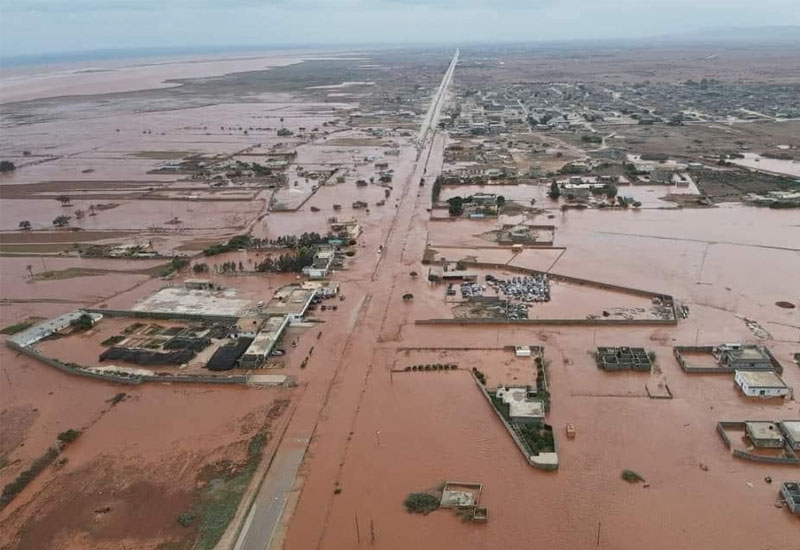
261,528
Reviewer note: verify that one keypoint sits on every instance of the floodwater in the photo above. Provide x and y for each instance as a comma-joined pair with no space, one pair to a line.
381,435
775,166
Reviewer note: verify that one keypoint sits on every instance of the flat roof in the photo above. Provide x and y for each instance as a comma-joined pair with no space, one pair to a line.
792,488
761,379
46,328
764,430
179,299
519,406
290,300
751,353
264,341
792,427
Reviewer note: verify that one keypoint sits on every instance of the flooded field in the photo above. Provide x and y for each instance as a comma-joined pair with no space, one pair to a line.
241,151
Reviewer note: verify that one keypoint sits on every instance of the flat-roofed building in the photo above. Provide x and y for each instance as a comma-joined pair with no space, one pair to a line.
761,383
523,405
38,332
198,284
743,356
790,491
291,300
791,430
321,264
264,343
764,434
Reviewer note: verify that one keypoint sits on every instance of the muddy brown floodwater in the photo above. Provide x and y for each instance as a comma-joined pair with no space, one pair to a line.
376,434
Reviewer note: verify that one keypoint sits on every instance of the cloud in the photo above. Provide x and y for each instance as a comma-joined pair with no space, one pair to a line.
38,26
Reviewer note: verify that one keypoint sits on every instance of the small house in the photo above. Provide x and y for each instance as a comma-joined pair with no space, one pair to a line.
761,383
764,434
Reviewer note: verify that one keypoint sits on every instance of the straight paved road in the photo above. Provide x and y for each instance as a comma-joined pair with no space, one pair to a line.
264,516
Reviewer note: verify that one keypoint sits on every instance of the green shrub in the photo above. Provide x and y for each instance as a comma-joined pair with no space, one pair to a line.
69,436
16,327
631,477
421,503
186,519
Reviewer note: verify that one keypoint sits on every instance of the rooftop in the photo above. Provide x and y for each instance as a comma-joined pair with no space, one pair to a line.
195,302
763,430
290,300
519,406
760,379
792,428
264,341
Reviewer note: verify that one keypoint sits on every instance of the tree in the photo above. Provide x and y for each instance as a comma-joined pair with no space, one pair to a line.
611,191
64,200
7,166
30,270
455,206
555,191
25,225
501,200
61,221
79,214
82,323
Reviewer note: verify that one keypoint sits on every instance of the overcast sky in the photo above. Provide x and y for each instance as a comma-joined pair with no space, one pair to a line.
46,26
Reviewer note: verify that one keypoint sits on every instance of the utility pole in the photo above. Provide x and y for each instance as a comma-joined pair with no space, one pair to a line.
372,532
358,532
598,533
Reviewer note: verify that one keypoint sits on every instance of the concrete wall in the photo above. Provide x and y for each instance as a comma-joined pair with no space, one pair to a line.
724,425
678,352
132,380
562,322
523,449
161,315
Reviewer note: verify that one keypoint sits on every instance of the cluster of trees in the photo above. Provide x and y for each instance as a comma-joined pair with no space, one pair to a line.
293,241
256,168
544,120
555,191
456,204
176,264
228,267
288,263
61,221
436,188
7,166
234,243
284,241
538,438
82,323
200,268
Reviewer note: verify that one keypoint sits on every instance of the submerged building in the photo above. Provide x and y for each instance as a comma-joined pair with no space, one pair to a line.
761,383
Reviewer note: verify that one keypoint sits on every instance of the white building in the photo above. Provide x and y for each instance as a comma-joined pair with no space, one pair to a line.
523,406
522,351
41,331
761,383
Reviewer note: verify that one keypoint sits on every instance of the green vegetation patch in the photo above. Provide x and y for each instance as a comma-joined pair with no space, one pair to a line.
17,327
161,155
113,340
13,488
631,477
421,503
216,503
